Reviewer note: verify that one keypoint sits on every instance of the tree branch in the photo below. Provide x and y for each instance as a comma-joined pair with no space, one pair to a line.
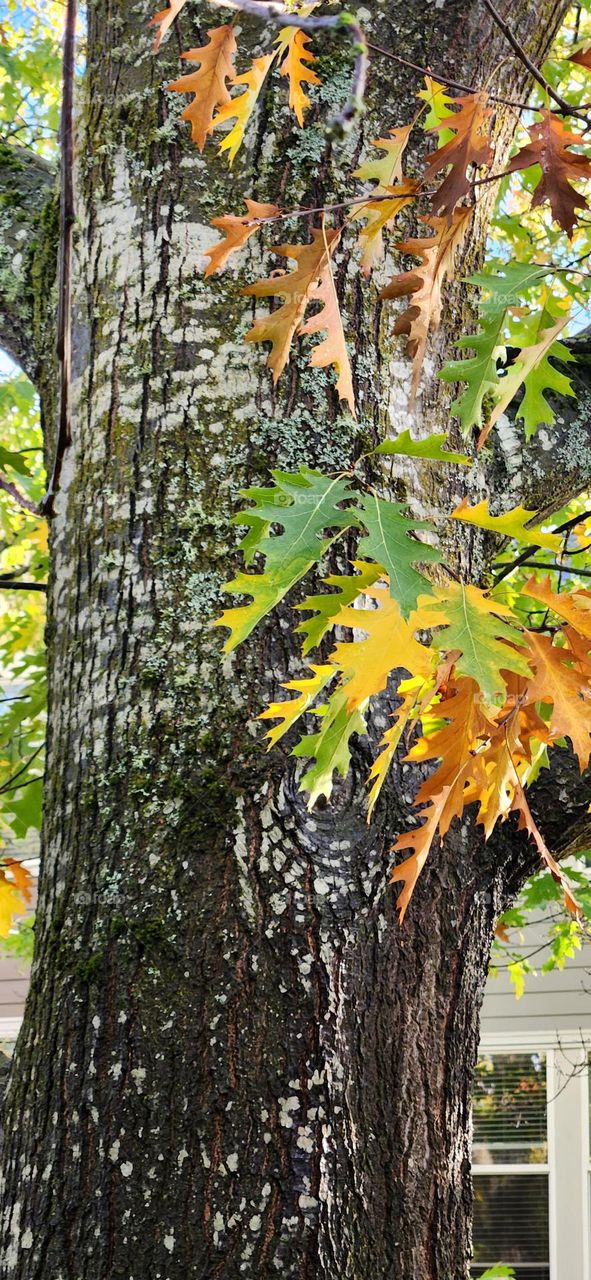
26,183
554,466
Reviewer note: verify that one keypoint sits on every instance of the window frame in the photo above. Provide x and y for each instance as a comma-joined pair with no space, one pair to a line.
568,1170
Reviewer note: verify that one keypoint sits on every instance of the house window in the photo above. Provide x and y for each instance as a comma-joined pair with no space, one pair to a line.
510,1164
531,1157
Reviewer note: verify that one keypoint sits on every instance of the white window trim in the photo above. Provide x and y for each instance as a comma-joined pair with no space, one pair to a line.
568,1127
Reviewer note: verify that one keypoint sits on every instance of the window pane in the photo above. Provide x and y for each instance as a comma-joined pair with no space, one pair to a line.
509,1109
511,1224
531,1272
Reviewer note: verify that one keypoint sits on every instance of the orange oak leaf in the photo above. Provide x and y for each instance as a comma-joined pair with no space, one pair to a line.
21,876
573,606
216,61
437,819
310,282
582,58
470,146
164,20
241,108
444,792
293,43
236,232
548,146
557,681
424,284
333,348
526,823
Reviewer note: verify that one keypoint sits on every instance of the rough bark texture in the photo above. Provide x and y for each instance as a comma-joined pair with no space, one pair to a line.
233,1063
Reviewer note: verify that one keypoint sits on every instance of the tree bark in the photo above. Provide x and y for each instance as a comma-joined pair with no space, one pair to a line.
233,1062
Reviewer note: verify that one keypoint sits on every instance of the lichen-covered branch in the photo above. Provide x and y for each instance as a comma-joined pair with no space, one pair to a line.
28,248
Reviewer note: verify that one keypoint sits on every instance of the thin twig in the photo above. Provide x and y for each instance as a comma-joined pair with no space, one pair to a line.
67,219
8,786
524,555
21,585
534,71
345,24
537,564
18,496
441,78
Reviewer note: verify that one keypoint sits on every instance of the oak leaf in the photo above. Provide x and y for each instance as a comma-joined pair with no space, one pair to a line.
328,605
480,628
470,146
582,57
389,645
511,524
164,20
549,145
306,505
216,60
311,282
330,748
236,232
424,284
531,363
290,710
386,171
558,682
413,693
388,541
573,606
241,107
15,893
293,43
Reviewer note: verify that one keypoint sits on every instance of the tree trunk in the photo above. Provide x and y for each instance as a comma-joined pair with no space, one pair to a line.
234,1062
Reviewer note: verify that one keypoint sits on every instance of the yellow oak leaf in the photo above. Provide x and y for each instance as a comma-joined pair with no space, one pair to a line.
386,171
291,709
216,60
293,44
511,524
414,692
236,233
241,108
390,646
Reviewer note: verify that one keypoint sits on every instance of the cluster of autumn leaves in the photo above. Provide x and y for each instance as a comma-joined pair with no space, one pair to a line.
480,693
484,695
447,208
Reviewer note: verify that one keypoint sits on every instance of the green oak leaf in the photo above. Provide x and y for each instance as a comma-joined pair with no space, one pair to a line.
306,504
431,449
388,542
330,747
